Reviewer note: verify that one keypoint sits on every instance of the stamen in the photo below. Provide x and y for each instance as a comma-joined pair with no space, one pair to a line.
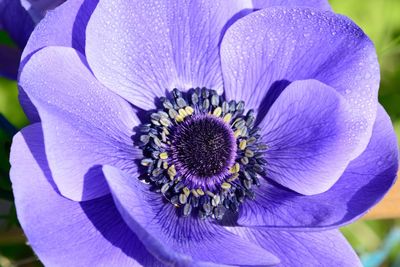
202,153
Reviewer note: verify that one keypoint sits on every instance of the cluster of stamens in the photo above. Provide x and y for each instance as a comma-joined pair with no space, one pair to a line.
202,153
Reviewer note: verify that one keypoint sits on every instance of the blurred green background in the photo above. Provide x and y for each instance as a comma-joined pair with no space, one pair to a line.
376,241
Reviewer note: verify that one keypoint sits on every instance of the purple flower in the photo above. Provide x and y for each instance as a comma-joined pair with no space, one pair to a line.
18,19
198,133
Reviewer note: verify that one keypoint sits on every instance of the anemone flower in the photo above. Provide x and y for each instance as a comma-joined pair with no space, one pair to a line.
198,133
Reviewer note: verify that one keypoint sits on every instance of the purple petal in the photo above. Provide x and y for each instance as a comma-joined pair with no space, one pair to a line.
363,184
38,8
309,134
9,61
84,124
317,4
174,239
141,49
19,29
43,4
64,232
64,26
298,249
267,50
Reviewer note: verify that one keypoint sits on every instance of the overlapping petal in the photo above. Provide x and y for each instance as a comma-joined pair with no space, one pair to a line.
84,124
308,131
298,249
267,50
318,4
61,231
363,184
174,239
64,26
142,49
38,8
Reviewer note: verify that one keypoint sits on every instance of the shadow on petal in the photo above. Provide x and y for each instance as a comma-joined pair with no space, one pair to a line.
272,94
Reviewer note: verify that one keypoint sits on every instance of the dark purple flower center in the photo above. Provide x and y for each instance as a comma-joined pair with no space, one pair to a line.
203,146
202,153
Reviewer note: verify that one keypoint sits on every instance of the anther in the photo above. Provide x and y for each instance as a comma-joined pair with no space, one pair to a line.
182,198
189,110
187,209
163,155
219,212
217,112
242,144
227,117
226,185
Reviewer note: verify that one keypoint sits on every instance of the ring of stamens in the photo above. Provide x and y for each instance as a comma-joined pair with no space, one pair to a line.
202,153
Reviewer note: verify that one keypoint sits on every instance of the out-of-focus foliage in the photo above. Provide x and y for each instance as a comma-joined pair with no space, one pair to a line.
378,242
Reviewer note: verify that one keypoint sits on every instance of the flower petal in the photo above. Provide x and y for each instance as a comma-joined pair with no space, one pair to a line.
44,4
318,4
142,49
84,124
18,29
267,50
64,26
363,184
9,61
309,134
38,8
298,249
174,239
63,232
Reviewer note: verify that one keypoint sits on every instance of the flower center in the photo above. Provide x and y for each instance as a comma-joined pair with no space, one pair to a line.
202,153
203,146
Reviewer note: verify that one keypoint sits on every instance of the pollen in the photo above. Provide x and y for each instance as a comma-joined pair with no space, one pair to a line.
242,144
227,117
217,112
235,168
163,155
189,110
